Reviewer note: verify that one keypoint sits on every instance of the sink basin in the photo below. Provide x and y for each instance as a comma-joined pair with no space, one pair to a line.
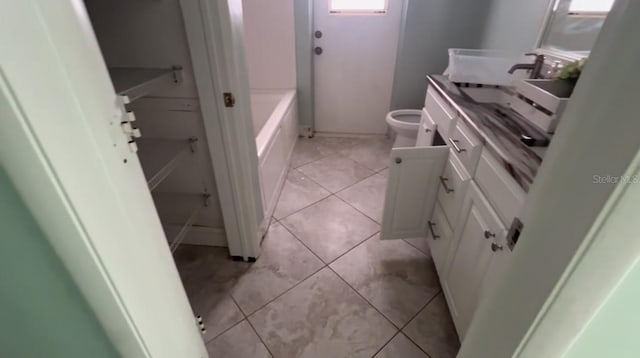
550,94
488,94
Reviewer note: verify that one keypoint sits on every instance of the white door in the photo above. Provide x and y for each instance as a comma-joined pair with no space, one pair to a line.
412,191
62,146
462,283
354,73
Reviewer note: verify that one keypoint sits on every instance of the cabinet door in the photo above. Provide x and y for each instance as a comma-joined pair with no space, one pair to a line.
478,228
426,131
411,190
497,268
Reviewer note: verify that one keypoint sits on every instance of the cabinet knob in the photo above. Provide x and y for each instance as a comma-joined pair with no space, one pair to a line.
398,160
427,130
495,247
488,234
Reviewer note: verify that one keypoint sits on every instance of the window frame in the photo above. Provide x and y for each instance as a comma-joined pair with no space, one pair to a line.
585,13
360,12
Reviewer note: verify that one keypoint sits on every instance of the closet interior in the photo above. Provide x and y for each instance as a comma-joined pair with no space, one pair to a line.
145,49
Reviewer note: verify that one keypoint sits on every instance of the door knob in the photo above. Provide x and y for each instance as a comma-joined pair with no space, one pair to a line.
317,50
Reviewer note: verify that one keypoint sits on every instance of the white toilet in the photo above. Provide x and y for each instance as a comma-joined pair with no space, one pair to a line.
405,122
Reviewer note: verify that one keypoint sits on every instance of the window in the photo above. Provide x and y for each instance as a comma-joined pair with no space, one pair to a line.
590,7
358,6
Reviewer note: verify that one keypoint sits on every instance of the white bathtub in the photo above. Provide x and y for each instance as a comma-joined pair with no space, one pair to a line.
275,121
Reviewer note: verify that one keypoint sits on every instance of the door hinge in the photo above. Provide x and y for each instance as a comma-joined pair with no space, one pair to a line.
129,130
229,99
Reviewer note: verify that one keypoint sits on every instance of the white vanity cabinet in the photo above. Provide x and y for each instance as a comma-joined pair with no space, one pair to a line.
450,189
478,234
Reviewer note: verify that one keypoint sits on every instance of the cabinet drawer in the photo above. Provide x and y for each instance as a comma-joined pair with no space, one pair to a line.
427,130
439,238
453,186
466,146
506,196
440,112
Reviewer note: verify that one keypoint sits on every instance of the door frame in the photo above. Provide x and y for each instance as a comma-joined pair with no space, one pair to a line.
214,32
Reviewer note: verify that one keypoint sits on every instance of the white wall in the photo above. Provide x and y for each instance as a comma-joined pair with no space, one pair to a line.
514,24
269,39
425,40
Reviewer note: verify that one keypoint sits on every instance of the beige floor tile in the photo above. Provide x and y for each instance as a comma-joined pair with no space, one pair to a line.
433,330
367,196
322,317
238,342
330,227
298,192
372,153
284,262
335,172
208,275
401,347
393,276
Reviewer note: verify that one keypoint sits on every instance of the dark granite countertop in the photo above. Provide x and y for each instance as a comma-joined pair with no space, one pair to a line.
498,127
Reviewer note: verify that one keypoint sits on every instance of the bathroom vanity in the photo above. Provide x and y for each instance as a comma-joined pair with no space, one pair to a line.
463,186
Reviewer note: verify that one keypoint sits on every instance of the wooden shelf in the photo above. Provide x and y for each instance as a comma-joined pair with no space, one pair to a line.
160,157
138,82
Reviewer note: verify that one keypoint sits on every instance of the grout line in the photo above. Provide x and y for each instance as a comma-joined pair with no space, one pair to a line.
386,343
246,318
358,210
353,248
292,287
415,247
227,329
299,210
366,300
303,244
416,315
285,291
260,338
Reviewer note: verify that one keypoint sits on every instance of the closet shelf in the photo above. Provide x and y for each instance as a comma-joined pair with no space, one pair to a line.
160,157
184,230
134,82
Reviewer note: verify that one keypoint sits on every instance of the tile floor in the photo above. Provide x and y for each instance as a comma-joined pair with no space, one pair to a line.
325,284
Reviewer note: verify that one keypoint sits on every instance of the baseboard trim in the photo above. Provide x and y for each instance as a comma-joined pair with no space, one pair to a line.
202,235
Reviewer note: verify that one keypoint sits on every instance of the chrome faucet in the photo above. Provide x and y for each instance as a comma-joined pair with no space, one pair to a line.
535,67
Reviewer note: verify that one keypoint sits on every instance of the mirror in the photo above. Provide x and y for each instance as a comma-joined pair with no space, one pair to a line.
574,25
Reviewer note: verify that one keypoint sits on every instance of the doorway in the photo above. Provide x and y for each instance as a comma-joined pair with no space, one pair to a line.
355,54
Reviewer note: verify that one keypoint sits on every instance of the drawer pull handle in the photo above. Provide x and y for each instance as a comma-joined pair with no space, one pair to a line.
495,247
454,143
444,180
488,234
433,233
